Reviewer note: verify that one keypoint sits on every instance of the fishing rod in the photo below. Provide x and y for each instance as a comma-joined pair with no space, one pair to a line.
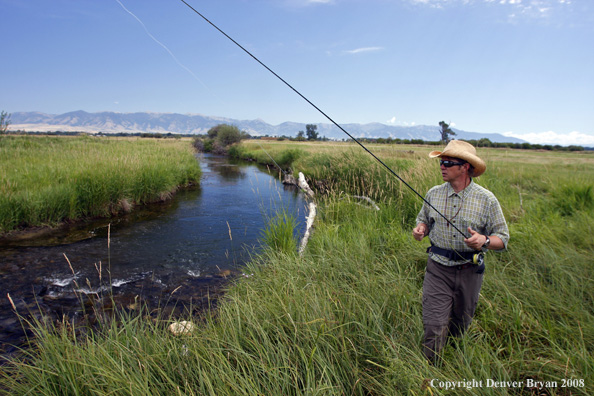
325,115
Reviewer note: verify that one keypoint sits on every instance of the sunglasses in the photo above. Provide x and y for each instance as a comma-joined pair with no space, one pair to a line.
449,164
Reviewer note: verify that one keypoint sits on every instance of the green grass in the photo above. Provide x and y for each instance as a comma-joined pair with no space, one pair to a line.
47,180
345,319
279,233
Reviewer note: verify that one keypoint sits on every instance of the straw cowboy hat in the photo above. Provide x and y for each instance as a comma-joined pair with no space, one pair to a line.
464,151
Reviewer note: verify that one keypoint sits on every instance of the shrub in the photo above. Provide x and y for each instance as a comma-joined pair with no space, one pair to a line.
238,152
198,144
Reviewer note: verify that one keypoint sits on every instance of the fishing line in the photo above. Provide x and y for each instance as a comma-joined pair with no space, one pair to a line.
269,156
169,51
282,170
324,114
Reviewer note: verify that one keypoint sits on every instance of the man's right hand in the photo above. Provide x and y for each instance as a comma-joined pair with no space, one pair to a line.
420,231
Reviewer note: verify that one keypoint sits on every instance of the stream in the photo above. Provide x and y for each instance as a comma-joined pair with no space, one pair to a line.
176,255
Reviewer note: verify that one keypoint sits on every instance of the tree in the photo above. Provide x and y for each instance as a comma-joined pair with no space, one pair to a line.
310,131
214,131
445,132
484,142
4,122
300,136
225,134
228,134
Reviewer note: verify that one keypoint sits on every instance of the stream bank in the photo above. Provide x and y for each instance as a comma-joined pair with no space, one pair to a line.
180,253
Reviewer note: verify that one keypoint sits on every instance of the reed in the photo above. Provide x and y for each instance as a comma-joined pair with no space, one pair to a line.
47,180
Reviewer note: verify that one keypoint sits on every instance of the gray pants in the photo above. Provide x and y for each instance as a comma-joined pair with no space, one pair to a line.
450,296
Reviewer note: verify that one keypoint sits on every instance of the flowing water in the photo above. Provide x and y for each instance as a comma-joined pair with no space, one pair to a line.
179,253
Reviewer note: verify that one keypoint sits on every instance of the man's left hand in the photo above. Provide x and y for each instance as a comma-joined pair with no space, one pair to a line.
476,240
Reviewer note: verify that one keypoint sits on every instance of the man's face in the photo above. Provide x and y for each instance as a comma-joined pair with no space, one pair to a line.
453,172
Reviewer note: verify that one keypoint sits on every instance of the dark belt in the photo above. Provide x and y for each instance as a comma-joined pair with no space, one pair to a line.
454,255
451,254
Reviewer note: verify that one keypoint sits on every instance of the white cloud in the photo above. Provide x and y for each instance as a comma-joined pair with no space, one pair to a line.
364,49
531,9
395,121
431,3
550,137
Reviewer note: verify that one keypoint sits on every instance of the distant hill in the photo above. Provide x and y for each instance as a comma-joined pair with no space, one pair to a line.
110,122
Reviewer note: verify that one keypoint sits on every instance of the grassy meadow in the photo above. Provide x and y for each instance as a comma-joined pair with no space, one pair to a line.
345,318
48,180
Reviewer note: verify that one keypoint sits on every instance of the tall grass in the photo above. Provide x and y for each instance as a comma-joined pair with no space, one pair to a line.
346,317
323,324
46,180
279,234
270,156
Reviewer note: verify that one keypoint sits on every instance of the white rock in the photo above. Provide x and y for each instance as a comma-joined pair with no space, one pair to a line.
182,328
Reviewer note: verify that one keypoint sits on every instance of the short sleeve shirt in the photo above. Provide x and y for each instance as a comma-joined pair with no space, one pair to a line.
474,207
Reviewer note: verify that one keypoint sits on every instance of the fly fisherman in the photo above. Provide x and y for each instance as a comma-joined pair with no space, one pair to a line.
454,273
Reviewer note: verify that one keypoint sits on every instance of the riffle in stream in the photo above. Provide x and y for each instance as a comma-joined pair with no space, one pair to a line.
173,254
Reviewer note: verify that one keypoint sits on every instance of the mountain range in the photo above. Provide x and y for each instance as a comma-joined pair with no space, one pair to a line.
111,122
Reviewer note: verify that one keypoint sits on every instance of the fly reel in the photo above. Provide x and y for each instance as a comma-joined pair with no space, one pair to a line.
478,259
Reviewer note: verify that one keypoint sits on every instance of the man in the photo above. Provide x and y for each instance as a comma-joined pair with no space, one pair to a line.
454,273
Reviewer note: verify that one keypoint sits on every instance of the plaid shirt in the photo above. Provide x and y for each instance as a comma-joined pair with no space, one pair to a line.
475,206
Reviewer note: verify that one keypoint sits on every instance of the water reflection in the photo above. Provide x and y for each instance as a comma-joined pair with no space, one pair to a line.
229,171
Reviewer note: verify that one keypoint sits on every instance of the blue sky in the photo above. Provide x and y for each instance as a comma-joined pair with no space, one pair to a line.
518,67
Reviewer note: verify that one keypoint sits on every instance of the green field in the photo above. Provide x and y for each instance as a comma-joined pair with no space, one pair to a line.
48,180
345,319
